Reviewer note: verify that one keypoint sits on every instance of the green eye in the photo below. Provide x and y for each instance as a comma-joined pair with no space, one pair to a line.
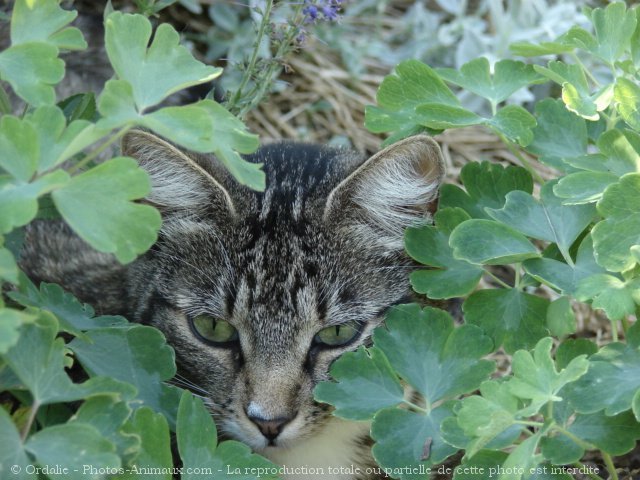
337,335
213,329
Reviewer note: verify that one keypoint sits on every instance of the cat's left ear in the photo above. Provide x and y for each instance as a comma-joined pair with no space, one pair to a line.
394,189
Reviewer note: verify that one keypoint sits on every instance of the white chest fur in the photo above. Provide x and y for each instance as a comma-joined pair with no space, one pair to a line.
332,454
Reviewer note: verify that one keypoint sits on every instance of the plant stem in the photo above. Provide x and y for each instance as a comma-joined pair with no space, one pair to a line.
610,466
248,73
98,151
625,324
525,163
584,69
426,411
32,416
529,423
614,330
579,441
504,284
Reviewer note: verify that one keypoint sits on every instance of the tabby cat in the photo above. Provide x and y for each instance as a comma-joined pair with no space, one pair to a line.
259,292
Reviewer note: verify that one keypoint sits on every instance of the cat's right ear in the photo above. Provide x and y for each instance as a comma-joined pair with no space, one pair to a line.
179,182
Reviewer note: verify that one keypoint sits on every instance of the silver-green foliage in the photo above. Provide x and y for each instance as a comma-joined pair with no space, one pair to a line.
123,411
579,236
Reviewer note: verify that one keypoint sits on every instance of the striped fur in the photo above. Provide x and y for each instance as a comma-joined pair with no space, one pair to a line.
322,245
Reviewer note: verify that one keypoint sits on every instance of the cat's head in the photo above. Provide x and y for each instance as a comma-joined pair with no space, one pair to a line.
258,292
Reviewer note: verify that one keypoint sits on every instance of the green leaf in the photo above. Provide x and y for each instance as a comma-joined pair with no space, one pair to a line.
487,185
521,459
490,243
32,69
485,462
45,21
561,276
74,447
144,359
38,359
11,450
560,318
627,94
155,448
108,414
441,116
19,201
512,121
411,84
156,72
573,347
614,237
616,297
615,435
611,383
440,361
526,49
10,322
8,267
535,377
614,26
430,245
81,106
621,150
559,134
401,437
197,444
508,77
545,219
98,206
196,433
365,384
512,318
53,135
19,146
576,93
484,417
515,123
583,187
73,316
204,126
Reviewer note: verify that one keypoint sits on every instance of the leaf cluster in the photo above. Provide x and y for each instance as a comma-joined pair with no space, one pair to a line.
499,246
80,390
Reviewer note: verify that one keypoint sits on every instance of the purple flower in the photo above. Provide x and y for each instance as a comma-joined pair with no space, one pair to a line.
321,10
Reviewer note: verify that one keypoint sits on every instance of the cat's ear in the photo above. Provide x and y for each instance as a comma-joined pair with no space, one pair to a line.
180,182
394,189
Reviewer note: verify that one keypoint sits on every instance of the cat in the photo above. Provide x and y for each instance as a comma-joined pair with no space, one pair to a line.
259,292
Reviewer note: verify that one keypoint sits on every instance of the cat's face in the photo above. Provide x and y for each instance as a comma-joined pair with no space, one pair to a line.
260,292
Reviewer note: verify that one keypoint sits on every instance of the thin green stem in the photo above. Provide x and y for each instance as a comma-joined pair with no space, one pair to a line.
30,419
264,80
248,73
530,423
579,441
517,276
426,410
584,69
85,161
565,254
525,163
500,282
625,325
610,466
614,330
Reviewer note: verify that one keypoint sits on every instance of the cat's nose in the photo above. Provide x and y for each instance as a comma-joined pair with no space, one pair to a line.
270,428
